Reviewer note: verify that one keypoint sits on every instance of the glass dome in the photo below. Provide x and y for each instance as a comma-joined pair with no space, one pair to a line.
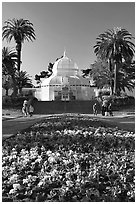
65,67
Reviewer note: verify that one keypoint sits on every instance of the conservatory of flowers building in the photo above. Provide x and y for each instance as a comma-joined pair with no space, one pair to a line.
65,83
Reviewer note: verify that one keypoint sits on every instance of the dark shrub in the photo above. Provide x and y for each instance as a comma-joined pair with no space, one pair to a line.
123,102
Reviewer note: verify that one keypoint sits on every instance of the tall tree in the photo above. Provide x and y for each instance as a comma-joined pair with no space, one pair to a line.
115,46
19,30
126,77
23,80
102,76
100,73
9,61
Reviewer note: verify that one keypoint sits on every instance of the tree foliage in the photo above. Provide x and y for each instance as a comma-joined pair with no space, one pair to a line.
9,62
11,78
46,74
23,80
103,77
7,83
126,77
100,73
19,30
116,47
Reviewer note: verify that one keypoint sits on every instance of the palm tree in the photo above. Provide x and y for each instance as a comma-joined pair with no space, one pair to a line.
9,61
23,80
19,30
115,46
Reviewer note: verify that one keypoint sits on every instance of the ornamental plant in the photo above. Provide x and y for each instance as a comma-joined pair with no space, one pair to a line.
69,159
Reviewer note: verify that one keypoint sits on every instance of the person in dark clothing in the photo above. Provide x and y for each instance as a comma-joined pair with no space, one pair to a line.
103,109
110,109
30,108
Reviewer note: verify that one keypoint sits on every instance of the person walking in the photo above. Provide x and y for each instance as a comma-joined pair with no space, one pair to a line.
110,109
24,108
103,109
95,109
30,108
106,109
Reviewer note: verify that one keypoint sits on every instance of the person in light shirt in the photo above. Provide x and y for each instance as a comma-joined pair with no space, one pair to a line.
24,108
95,109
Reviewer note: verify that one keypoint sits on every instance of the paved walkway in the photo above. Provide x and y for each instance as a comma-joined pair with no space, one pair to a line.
16,123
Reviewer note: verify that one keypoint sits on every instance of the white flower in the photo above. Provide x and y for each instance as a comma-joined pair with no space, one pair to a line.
54,172
70,152
46,177
12,191
16,186
23,151
77,166
49,152
13,150
65,161
78,132
42,148
58,132
69,183
128,193
13,178
39,159
40,183
51,159
25,181
12,169
57,154
68,174
75,156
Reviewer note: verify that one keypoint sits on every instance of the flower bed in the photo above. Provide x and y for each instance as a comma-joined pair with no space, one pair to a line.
69,159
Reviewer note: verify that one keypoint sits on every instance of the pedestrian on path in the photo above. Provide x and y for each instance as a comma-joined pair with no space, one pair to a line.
105,108
95,109
30,108
110,109
24,108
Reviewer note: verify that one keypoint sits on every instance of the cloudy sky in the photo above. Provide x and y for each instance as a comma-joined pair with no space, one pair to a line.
73,26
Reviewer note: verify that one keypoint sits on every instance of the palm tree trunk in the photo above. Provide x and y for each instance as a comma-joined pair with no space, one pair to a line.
18,48
7,92
111,88
15,90
111,76
115,78
20,90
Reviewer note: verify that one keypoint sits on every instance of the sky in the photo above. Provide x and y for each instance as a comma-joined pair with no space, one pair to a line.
70,26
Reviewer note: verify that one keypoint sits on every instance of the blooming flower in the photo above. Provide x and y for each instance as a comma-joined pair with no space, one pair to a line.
16,186
14,178
12,191
76,157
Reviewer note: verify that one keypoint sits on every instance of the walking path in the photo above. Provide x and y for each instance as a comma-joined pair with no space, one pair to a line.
15,123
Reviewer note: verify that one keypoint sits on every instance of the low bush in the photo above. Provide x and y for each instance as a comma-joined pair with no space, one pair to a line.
124,101
13,102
